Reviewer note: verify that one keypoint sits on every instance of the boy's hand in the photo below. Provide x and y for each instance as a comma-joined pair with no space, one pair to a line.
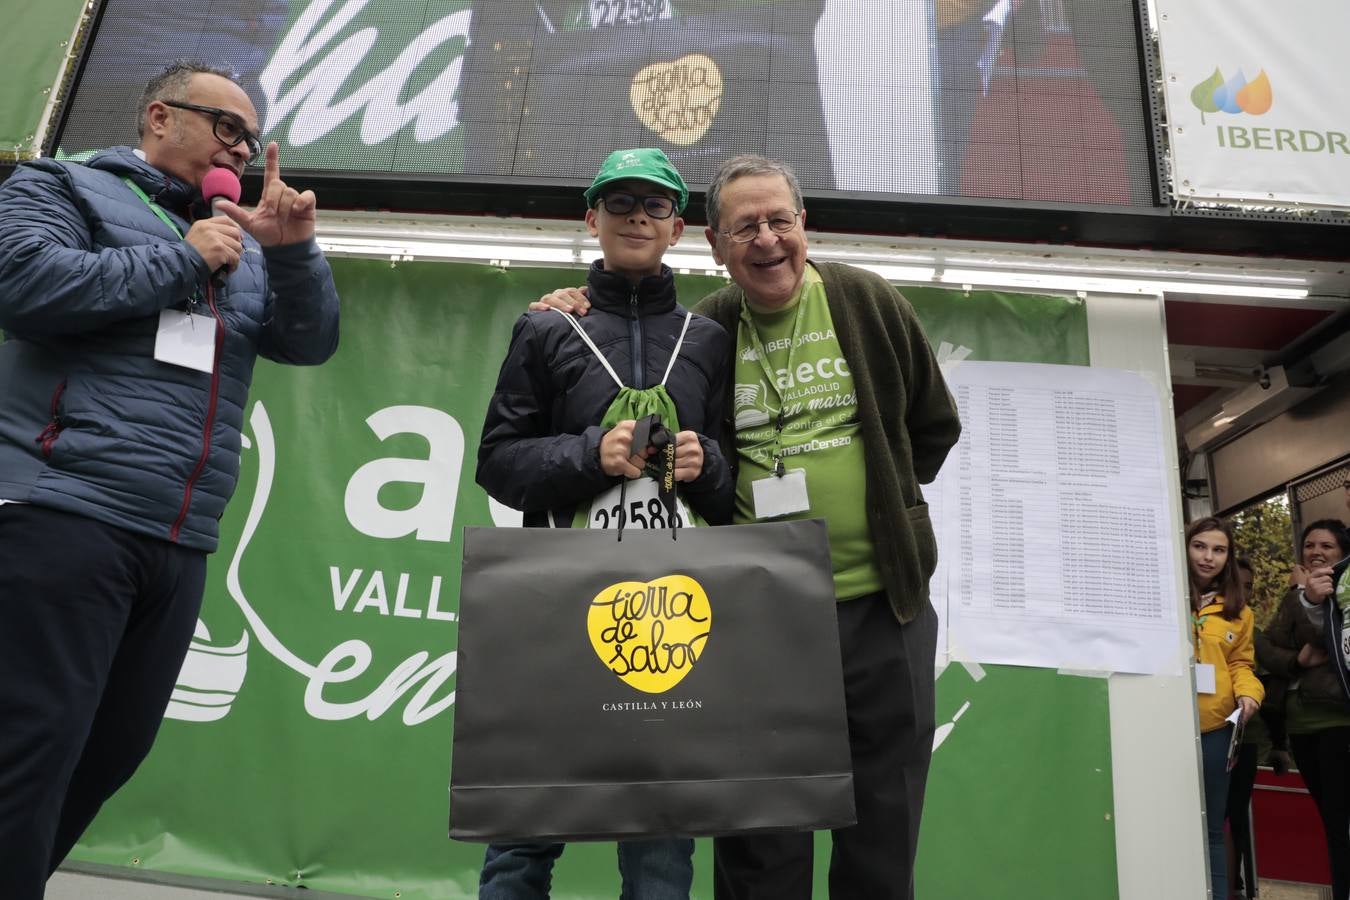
1297,576
1318,586
688,456
1248,707
616,452
571,300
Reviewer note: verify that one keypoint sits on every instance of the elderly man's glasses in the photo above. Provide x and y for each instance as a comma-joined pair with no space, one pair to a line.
780,222
658,206
228,128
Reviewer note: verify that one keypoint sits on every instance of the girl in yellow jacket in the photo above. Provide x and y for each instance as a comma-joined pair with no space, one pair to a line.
1225,676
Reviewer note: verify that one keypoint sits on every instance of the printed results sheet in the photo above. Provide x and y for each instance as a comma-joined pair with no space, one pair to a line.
1052,520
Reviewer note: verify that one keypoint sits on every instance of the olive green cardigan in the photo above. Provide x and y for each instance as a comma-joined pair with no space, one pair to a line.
908,417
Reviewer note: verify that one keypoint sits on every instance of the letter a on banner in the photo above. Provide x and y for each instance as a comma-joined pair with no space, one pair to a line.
432,519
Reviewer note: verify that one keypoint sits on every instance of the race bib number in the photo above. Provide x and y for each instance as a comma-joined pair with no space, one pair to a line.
626,12
642,507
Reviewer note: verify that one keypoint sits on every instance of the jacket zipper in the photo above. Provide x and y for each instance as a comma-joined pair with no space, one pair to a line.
635,338
48,435
210,416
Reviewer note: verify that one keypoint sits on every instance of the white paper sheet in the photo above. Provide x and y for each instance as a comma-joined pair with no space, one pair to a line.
1056,540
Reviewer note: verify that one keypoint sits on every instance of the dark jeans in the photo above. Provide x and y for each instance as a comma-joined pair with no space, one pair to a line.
1323,759
648,870
888,692
1214,756
94,624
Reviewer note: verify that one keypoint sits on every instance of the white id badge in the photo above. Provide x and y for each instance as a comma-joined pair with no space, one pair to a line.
1204,679
642,507
775,496
186,340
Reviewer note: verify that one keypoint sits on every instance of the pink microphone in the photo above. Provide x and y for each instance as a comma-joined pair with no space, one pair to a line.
220,184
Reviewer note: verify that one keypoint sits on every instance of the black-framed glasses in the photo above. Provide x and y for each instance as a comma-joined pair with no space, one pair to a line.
619,203
228,128
780,222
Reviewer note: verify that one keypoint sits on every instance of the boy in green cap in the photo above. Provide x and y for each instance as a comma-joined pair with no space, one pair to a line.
558,441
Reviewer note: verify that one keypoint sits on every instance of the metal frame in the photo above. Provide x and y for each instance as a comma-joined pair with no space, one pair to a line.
1332,473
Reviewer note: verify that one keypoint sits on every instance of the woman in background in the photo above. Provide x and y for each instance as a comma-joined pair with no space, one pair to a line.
1225,675
1317,711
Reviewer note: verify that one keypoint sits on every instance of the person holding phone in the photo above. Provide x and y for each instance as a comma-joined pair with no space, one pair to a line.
1317,711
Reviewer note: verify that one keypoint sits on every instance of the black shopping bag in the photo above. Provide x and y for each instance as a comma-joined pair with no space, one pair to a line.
649,686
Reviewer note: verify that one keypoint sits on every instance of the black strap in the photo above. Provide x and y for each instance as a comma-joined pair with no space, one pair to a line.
651,433
664,442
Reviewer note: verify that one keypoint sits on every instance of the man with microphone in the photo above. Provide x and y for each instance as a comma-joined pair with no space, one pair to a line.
133,315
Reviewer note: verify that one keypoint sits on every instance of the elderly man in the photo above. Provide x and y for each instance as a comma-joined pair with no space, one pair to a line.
840,412
133,316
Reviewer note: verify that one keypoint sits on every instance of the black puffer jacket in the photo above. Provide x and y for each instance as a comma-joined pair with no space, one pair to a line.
540,449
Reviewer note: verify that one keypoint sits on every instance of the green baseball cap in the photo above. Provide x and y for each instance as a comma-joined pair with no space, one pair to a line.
644,163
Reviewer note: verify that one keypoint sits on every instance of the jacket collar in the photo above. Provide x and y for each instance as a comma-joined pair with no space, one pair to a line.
613,293
166,190
1209,600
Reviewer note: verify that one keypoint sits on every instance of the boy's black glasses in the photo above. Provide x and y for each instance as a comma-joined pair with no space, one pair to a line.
227,127
658,206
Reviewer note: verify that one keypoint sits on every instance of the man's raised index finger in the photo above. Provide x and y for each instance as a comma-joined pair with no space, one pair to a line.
271,168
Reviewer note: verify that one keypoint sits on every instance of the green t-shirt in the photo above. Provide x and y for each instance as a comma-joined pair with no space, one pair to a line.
814,390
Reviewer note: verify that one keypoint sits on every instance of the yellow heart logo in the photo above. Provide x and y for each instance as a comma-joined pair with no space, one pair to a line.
651,633
678,100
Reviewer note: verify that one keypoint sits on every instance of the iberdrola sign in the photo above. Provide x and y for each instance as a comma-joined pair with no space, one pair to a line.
1276,136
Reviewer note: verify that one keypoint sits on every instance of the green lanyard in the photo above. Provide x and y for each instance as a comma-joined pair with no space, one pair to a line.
1197,622
154,207
163,217
752,333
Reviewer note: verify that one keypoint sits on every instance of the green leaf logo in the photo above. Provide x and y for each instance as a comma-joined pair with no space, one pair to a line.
1202,95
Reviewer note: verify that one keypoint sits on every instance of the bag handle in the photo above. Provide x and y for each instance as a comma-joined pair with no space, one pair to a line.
660,438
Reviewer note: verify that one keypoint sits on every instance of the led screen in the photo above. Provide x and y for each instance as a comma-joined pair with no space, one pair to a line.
1015,99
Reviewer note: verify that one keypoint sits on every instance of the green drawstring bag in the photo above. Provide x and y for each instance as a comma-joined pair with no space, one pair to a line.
638,503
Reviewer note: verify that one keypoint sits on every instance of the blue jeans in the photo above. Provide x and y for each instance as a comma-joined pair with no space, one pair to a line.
648,870
1214,756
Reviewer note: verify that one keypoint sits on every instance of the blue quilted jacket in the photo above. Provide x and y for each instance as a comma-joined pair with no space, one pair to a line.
90,422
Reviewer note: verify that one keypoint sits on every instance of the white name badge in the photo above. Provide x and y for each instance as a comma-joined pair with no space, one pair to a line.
186,340
783,496
642,507
1204,679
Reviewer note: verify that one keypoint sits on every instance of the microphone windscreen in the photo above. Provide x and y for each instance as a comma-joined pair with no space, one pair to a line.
221,184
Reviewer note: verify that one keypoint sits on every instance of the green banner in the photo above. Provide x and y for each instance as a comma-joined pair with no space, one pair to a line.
34,44
309,741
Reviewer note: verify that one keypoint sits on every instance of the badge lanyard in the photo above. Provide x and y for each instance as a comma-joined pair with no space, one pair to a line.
1197,623
163,217
763,357
154,207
